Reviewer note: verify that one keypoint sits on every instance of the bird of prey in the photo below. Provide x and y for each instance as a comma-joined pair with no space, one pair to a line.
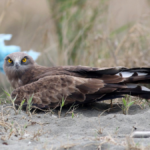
76,84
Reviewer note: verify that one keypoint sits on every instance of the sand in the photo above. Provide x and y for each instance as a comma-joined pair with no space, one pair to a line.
91,128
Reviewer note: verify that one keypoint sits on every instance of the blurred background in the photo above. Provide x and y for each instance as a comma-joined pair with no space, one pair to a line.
100,33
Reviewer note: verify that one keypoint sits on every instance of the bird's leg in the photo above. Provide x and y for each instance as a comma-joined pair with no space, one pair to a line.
111,104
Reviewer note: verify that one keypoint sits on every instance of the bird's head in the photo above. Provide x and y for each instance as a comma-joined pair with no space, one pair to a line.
17,63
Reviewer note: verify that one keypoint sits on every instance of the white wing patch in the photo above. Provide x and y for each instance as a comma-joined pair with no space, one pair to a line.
132,86
141,74
129,74
145,88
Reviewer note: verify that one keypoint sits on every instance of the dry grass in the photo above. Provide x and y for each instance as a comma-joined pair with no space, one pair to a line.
131,145
128,143
11,129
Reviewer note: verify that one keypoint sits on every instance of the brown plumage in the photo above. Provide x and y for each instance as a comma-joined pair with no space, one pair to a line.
80,84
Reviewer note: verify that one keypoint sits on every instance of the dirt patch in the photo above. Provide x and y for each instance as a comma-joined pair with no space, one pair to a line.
91,127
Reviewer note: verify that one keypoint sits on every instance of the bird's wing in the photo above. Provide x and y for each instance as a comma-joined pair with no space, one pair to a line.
113,74
50,90
108,75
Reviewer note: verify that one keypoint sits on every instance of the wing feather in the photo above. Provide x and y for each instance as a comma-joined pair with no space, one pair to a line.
52,89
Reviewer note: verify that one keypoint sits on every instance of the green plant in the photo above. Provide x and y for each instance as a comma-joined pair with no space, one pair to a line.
72,115
71,29
116,131
127,103
12,100
20,107
71,110
29,105
61,106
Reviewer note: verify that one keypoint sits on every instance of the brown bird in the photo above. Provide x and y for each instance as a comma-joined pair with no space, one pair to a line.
79,84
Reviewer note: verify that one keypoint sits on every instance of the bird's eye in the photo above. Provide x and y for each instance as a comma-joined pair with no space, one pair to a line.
24,60
9,60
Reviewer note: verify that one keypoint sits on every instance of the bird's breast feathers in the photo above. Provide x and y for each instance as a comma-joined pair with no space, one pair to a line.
16,83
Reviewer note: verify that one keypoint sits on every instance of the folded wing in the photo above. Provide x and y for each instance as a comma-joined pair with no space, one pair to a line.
84,85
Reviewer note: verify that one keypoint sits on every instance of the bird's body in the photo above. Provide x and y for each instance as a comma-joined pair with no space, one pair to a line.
49,85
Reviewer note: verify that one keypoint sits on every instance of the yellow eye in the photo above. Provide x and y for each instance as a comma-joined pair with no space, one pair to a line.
24,60
9,60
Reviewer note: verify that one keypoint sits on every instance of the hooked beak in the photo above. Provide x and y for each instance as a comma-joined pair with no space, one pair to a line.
17,65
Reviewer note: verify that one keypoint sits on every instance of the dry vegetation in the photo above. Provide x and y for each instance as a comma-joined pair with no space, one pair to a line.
19,129
76,33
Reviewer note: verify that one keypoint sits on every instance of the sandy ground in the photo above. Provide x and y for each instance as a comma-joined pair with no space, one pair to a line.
91,128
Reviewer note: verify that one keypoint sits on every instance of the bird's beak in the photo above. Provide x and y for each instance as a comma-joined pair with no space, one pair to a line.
17,65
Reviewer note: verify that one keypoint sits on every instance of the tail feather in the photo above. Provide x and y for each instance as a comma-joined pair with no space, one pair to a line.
120,82
113,91
138,91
